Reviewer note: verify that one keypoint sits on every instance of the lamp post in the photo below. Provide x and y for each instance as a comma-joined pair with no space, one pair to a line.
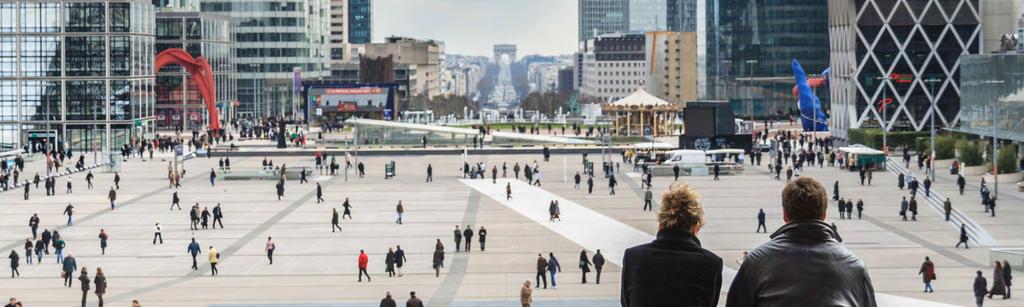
995,142
885,111
931,89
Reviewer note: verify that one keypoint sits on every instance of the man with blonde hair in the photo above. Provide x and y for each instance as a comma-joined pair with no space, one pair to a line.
673,270
805,263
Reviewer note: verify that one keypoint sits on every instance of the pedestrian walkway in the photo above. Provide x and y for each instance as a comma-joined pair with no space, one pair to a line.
975,231
593,230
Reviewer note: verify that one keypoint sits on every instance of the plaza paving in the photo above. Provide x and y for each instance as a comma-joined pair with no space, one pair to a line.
314,267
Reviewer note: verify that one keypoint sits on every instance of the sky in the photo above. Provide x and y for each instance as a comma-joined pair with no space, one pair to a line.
473,27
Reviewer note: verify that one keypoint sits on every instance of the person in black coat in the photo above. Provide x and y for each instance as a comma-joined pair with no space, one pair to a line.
980,289
805,263
598,265
584,265
673,270
387,301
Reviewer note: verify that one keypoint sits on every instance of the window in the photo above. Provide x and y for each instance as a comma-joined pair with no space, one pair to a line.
84,17
39,17
85,56
40,56
120,17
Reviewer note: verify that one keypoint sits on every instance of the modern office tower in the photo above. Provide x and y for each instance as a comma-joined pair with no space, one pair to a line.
598,17
910,43
681,15
613,66
748,47
672,65
360,21
75,74
339,28
275,42
178,101
647,15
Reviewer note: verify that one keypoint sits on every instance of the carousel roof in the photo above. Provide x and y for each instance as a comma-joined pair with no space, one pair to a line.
640,98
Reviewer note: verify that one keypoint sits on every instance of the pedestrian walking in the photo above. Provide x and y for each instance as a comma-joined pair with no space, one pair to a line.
334,220
28,251
213,177
980,289
364,260
467,234
103,241
69,211
84,280
508,191
69,267
860,208
598,265
542,269
526,294
648,196
400,259
280,189
947,208
112,196
963,237
157,234
400,212
961,183
576,179
389,263
204,217
438,260
214,258
15,262
1007,276
913,209
117,180
413,300
101,285
835,190
458,238
900,180
270,250
39,248
33,223
927,273
319,193
611,184
175,201
430,173
218,217
998,284
387,301
717,169
584,265
927,187
553,267
761,221
904,205
194,250
482,233
348,209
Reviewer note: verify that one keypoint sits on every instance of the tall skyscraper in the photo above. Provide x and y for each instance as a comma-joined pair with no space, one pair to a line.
647,15
78,73
339,31
748,43
272,39
598,17
681,15
360,21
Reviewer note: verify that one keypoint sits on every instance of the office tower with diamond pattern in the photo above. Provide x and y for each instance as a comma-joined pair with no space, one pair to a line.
910,41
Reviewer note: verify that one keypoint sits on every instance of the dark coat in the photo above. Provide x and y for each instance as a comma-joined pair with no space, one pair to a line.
414,302
84,281
101,284
673,270
980,286
388,302
805,264
438,258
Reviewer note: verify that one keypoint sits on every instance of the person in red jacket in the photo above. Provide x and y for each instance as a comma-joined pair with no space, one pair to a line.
363,260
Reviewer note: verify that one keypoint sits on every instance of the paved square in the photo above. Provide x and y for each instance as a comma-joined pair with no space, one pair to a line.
315,267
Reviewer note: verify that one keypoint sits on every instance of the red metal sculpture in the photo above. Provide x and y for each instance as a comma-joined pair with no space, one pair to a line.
199,70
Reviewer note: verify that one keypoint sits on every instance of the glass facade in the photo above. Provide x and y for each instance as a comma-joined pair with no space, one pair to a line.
360,21
178,102
770,32
271,39
993,82
598,17
681,15
80,69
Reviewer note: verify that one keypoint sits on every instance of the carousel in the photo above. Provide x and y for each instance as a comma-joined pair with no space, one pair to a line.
641,113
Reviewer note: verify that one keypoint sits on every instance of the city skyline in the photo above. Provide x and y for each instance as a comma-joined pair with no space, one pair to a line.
551,32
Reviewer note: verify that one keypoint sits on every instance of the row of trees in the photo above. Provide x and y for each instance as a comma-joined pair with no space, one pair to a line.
442,105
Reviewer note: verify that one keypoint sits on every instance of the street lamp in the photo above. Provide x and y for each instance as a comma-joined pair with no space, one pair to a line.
885,111
931,89
995,143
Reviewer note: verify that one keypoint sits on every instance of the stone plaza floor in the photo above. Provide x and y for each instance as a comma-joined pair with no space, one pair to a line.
315,267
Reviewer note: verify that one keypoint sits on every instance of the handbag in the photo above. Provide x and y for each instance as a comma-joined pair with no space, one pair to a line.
63,275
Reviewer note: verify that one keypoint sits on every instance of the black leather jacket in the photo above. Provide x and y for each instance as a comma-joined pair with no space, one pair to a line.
805,264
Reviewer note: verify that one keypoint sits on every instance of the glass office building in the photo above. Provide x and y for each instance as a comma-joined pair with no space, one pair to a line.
76,73
273,38
178,102
992,86
360,21
770,32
